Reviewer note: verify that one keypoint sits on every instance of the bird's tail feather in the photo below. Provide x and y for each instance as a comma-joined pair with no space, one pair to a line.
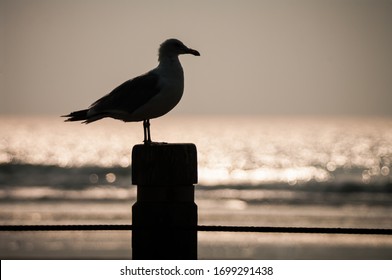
76,116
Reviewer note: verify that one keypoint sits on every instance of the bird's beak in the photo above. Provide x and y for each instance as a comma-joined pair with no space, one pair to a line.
194,52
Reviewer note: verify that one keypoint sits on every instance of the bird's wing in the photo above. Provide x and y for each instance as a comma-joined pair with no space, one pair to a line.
129,96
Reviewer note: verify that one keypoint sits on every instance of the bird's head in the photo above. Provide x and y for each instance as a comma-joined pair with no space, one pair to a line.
174,47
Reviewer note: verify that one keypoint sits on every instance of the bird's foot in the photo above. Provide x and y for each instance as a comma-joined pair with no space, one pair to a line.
150,143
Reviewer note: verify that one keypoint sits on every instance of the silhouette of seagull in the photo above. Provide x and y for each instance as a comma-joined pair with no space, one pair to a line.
145,97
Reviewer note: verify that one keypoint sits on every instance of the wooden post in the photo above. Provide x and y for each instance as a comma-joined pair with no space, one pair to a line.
164,216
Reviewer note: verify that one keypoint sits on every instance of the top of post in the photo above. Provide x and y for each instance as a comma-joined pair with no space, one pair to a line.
164,164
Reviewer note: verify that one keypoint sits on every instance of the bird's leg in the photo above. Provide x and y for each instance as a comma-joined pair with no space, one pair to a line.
147,133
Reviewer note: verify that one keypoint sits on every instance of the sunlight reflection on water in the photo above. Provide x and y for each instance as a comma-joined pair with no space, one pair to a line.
231,150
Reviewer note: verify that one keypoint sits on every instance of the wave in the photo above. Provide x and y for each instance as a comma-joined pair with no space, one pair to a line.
19,174
62,177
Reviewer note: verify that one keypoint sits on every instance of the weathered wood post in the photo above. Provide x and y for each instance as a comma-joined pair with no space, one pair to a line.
164,217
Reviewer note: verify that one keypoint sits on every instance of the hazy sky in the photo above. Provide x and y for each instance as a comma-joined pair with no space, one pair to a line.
257,57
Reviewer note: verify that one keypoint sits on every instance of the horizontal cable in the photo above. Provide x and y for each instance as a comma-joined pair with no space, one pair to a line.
296,230
64,227
368,231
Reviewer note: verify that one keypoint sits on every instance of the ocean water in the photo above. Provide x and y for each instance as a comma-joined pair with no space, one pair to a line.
232,150
253,170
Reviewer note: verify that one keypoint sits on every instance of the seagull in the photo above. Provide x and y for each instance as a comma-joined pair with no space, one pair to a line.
145,97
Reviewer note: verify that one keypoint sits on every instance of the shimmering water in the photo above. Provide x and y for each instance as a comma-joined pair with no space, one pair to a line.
242,160
232,150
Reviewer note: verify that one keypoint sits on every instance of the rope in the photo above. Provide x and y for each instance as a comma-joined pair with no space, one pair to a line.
367,231
64,227
297,230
